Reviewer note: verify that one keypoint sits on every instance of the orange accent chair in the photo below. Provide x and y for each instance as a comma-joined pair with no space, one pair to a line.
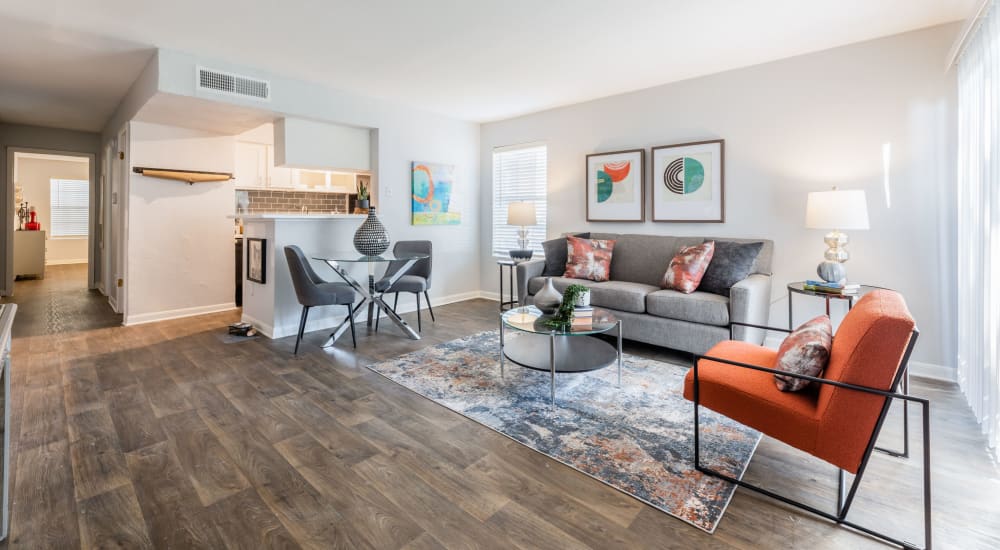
839,420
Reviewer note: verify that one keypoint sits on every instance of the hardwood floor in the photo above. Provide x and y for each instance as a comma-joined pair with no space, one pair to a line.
161,435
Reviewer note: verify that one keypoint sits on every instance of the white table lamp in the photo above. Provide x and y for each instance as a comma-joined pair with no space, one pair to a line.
836,210
521,214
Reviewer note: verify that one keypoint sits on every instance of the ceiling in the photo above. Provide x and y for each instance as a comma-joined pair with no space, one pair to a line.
67,62
52,75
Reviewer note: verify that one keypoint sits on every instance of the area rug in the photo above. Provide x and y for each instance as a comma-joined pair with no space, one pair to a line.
637,438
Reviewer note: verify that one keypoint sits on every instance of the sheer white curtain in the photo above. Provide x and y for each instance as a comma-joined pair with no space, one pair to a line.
979,223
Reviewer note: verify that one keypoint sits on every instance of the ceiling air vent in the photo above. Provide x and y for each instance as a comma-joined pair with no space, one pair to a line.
233,84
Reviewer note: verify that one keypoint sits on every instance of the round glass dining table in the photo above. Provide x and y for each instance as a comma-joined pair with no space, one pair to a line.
370,297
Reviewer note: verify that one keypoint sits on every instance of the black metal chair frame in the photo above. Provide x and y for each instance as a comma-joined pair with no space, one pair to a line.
351,312
844,501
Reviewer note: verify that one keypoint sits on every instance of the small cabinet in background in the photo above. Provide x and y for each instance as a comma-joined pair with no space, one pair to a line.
252,161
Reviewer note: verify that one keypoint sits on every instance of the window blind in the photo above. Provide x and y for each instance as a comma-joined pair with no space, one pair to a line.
70,200
520,173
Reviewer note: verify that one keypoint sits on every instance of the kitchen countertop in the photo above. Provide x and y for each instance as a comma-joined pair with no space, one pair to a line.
296,216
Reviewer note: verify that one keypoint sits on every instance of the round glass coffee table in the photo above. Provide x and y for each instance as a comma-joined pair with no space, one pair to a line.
535,346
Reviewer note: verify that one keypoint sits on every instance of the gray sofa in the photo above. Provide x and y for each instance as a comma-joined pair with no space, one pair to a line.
688,322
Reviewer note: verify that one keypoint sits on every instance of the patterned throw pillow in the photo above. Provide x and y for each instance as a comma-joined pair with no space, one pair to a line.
588,258
687,268
805,351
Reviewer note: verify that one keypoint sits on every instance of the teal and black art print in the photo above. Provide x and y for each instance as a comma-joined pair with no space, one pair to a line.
615,186
688,182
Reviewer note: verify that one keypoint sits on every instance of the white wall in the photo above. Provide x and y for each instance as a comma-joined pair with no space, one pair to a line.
34,175
180,244
400,135
791,126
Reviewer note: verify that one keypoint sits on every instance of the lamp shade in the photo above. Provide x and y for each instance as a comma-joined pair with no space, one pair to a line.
521,213
836,209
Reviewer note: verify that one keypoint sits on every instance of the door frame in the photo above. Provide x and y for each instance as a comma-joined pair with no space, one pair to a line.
7,214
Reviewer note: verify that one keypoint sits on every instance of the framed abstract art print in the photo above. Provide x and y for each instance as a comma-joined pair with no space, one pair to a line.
616,186
689,182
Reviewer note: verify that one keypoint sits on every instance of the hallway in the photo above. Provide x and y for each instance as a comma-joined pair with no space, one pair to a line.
60,303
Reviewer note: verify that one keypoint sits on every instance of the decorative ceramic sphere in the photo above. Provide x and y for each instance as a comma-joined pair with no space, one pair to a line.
832,272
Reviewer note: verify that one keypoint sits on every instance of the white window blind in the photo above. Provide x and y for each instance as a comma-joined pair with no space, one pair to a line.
520,173
70,200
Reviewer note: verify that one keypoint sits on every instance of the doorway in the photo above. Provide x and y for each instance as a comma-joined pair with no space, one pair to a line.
52,197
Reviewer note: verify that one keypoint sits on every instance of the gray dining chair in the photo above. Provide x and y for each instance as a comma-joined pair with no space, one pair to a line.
416,281
312,291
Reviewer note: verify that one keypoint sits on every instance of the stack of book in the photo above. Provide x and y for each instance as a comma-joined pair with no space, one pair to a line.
583,316
831,288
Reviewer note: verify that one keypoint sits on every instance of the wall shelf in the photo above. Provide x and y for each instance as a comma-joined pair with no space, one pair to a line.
189,176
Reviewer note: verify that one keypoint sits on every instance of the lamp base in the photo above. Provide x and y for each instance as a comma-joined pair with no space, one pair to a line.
832,272
521,255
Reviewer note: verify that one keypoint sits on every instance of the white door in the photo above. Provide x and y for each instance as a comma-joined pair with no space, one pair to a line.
251,165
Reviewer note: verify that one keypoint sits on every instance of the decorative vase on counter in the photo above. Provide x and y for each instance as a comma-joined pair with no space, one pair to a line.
371,238
548,298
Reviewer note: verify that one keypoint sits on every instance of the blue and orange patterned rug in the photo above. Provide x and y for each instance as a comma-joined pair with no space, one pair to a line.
637,438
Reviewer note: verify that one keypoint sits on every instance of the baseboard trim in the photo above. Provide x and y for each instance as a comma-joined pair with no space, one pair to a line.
153,317
933,372
336,315
66,262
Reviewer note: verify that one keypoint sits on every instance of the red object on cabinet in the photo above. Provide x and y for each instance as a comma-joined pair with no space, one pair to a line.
32,225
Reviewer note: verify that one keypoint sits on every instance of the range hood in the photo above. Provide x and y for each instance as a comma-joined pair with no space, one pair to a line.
311,145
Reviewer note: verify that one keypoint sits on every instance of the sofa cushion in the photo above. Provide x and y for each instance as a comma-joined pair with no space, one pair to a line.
731,263
697,307
642,258
555,255
589,258
620,295
687,268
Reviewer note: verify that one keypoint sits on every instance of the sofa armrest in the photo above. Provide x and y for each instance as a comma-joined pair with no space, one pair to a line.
750,302
525,272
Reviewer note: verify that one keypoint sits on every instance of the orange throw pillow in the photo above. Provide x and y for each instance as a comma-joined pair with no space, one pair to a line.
688,267
588,258
805,351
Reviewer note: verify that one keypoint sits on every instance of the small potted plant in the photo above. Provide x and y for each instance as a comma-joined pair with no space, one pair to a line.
363,200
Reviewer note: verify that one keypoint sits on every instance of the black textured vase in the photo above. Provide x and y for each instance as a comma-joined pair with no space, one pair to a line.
371,239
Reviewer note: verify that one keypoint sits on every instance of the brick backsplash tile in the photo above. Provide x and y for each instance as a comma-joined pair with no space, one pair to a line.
293,201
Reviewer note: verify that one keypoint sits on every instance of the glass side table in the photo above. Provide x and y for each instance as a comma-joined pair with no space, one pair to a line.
798,287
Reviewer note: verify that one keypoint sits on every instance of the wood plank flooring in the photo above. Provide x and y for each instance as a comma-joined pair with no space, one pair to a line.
162,436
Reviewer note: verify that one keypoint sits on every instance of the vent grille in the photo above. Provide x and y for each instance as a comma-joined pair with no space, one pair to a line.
233,84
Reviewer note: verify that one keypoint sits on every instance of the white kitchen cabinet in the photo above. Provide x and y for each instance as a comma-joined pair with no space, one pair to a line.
279,177
252,162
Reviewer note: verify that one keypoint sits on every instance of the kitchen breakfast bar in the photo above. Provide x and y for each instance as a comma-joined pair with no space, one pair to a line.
271,306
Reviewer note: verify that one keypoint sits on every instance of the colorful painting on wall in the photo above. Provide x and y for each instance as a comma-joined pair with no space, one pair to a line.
434,198
689,182
615,183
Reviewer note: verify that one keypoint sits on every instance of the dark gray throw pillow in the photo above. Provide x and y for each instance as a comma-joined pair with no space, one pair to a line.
730,264
556,255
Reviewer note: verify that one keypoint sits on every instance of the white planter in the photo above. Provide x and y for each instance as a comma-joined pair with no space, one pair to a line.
583,300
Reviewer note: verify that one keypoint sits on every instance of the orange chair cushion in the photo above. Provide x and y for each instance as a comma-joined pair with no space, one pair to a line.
750,396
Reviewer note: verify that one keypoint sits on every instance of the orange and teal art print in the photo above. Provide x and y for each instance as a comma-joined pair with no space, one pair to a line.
615,186
433,194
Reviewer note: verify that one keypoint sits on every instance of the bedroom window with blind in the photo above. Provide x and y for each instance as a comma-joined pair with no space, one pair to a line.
70,201
520,173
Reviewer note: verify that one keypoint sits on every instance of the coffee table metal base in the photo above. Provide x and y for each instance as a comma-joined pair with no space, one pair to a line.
556,353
